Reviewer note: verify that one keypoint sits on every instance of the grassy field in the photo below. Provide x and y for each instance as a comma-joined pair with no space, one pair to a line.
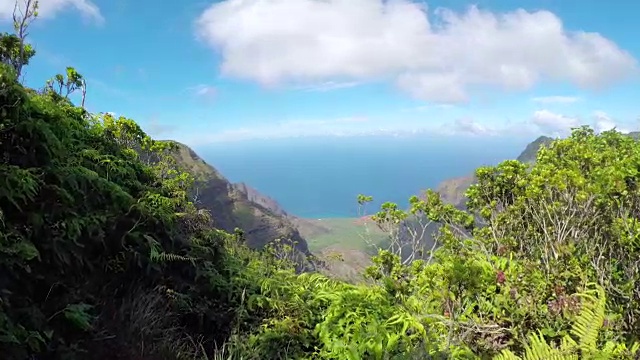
340,233
343,243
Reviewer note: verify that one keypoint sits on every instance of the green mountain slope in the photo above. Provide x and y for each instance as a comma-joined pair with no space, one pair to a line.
530,152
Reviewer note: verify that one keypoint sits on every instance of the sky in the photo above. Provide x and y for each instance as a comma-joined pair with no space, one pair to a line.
210,72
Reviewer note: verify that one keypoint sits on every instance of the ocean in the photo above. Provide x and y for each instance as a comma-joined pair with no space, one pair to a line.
321,177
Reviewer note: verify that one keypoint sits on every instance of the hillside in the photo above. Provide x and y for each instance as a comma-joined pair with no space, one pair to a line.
238,205
529,153
452,190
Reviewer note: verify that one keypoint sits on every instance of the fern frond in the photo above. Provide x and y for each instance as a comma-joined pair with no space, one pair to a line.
166,257
537,348
507,354
590,319
158,256
585,330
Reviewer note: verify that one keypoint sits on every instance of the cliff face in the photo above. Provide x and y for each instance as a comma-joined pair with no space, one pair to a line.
238,205
256,197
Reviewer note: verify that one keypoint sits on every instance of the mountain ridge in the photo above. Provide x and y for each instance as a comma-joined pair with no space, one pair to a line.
528,155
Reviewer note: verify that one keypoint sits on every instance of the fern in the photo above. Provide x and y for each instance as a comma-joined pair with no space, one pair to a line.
592,316
158,256
585,329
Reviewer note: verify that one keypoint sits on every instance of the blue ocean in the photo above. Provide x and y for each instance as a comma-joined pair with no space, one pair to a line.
321,177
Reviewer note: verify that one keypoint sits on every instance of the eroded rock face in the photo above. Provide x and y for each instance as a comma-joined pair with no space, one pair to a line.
256,197
239,206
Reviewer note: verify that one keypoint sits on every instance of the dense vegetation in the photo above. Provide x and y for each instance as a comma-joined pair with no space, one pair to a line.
104,256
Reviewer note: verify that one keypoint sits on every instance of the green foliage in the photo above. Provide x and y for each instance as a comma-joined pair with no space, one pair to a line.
10,48
91,211
64,85
14,50
583,343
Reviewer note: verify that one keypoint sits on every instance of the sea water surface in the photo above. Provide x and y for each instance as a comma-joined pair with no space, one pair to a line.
321,177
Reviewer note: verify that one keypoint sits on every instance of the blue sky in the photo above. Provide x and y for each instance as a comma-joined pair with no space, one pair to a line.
207,72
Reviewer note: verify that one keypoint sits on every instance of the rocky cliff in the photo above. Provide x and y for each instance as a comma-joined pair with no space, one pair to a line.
256,197
238,205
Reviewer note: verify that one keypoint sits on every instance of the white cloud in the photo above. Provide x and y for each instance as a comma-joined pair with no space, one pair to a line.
50,8
556,99
328,86
542,121
469,127
155,128
206,91
337,127
604,122
276,42
554,124
344,126
362,126
424,108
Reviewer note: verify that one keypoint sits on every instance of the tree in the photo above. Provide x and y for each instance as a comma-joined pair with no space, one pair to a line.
65,85
576,210
16,51
410,232
531,236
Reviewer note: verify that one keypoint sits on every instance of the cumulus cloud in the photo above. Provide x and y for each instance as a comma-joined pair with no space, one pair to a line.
542,121
439,58
50,8
554,124
363,126
556,99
